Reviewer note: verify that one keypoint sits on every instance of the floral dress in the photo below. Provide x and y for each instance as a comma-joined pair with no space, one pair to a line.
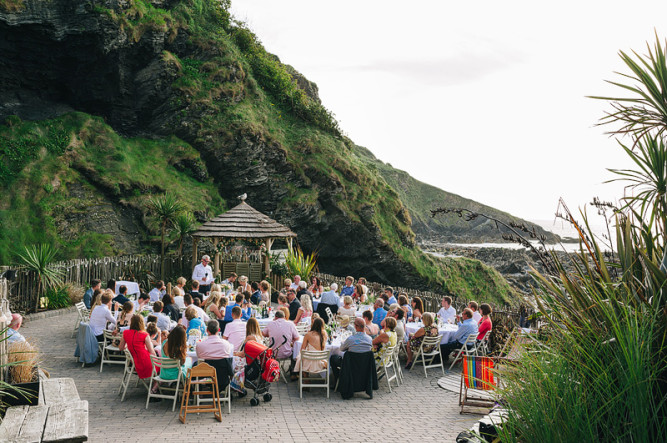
416,342
381,355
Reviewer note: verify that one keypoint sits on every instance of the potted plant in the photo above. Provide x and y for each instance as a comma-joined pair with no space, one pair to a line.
23,376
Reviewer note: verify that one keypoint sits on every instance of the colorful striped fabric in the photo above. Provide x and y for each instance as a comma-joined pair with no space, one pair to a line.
478,373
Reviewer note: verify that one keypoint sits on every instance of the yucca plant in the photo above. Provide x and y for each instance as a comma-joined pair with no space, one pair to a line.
165,209
40,259
184,225
299,263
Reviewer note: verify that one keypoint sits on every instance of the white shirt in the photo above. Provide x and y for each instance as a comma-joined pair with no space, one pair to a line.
163,321
200,313
294,286
203,274
446,314
99,318
476,316
178,301
155,294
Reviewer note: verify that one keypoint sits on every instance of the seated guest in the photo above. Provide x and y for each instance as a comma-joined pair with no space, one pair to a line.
294,304
200,312
484,326
176,347
252,333
305,310
195,292
126,313
238,301
282,301
13,334
313,341
358,294
214,347
246,306
95,301
244,286
194,322
256,296
386,338
428,330
142,302
296,283
179,288
163,321
265,287
344,322
121,298
102,315
137,341
212,306
357,342
348,288
158,291
371,328
287,283
391,298
170,308
403,303
229,281
417,308
284,335
347,308
178,296
475,315
154,333
95,284
466,327
331,300
284,311
302,290
316,287
379,313
399,316
447,312
235,331
111,285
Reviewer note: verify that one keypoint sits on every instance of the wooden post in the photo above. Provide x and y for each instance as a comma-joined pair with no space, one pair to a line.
216,263
195,240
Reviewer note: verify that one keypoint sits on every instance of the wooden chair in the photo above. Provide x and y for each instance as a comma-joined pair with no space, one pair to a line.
478,378
314,356
199,376
110,352
128,372
429,342
163,363
468,348
388,362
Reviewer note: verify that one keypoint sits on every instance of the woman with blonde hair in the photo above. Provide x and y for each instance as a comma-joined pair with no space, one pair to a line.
243,285
288,283
347,308
216,288
178,289
429,329
265,287
212,306
306,309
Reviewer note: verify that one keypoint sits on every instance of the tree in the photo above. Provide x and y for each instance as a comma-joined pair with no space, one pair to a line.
39,259
184,225
165,209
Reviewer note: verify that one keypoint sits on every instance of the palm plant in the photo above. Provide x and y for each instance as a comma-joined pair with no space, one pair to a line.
165,209
299,263
40,259
184,225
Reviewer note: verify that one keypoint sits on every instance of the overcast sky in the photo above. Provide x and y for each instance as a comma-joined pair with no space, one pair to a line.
485,99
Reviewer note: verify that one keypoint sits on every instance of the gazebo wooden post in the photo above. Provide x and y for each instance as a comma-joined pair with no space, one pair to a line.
195,240
269,243
216,265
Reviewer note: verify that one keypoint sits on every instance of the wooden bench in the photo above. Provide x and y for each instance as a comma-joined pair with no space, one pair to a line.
60,416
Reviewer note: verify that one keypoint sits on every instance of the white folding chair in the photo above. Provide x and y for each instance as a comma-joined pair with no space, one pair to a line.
302,328
108,350
329,315
80,317
163,363
397,364
388,361
128,372
427,358
468,348
482,346
314,356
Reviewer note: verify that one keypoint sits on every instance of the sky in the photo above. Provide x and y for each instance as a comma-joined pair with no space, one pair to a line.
485,99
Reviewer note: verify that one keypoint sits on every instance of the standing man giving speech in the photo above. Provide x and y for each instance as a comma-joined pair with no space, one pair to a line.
204,275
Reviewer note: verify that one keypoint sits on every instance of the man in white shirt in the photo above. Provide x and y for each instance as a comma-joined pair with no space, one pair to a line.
295,284
178,301
447,311
158,291
101,315
187,300
203,274
476,316
235,331
163,321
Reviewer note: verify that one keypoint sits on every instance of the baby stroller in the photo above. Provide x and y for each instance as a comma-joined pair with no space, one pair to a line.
260,371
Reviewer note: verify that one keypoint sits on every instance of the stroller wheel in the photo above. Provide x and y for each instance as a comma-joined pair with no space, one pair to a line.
254,402
267,397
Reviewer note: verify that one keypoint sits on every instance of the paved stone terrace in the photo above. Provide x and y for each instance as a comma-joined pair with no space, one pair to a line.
417,410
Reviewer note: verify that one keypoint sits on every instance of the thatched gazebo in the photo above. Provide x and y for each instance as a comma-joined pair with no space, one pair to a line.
243,222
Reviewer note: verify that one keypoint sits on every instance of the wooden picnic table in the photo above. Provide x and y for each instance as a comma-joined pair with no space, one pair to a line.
59,416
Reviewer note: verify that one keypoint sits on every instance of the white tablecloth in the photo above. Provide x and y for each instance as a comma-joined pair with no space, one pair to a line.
447,330
132,287
334,347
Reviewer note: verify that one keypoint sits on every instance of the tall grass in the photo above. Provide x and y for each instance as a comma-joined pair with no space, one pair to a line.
299,263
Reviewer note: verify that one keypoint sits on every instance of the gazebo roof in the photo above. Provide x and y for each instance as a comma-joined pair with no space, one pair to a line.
243,221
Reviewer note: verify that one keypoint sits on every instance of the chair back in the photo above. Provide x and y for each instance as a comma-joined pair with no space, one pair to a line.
330,316
109,337
202,370
478,373
471,342
429,341
302,328
163,363
315,355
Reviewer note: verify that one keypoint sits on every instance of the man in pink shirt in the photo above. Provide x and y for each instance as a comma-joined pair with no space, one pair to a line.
212,347
284,335
235,331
